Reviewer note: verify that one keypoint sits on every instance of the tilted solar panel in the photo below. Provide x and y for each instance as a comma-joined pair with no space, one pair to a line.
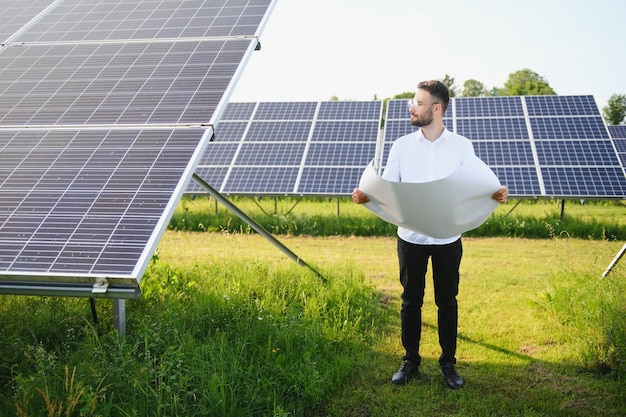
107,107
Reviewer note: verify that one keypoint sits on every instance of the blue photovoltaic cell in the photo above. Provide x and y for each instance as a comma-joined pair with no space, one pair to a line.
219,154
556,106
488,107
584,181
568,128
230,131
238,111
270,154
523,180
397,128
620,145
278,131
345,154
329,180
214,176
286,110
397,110
617,131
344,131
509,153
492,129
576,153
261,180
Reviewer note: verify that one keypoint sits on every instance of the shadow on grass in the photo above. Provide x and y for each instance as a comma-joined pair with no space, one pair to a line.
509,384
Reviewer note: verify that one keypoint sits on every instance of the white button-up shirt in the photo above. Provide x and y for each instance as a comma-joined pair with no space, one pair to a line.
413,158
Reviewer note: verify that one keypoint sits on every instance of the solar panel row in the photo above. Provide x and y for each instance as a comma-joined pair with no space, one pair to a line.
540,146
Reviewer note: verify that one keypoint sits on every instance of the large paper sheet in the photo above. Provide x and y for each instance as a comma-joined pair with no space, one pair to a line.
441,209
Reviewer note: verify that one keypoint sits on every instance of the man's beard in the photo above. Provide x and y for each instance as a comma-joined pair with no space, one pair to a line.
421,122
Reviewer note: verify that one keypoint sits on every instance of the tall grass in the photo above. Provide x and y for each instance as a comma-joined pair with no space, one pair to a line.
595,312
224,339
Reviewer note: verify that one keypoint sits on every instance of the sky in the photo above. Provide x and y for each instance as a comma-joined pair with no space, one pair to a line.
315,50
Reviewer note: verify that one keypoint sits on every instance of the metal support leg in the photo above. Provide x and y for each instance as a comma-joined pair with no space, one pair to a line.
256,226
119,315
615,261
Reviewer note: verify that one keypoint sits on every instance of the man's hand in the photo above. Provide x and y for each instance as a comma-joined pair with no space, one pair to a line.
359,197
500,196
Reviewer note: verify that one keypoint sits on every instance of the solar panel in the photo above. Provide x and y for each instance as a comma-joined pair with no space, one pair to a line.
556,146
286,148
107,108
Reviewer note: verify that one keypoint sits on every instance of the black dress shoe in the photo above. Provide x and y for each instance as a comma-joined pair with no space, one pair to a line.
453,380
408,370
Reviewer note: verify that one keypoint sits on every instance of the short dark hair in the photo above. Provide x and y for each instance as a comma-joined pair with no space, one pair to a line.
438,90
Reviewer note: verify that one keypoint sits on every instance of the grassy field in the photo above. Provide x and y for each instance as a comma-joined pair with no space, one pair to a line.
228,326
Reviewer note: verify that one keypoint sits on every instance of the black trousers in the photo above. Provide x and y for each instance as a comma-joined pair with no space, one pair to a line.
446,260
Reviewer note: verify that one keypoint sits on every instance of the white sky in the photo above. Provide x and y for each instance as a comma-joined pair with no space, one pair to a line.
359,49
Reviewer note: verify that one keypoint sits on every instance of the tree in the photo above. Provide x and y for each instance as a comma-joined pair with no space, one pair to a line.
615,111
406,94
526,83
449,81
473,88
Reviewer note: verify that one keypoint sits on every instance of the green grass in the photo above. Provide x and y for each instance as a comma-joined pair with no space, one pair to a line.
228,326
536,219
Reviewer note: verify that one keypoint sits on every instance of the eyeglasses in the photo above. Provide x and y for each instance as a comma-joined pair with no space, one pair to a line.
414,104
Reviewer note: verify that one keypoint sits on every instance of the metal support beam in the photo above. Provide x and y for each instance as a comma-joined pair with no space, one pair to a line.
256,226
614,261
119,316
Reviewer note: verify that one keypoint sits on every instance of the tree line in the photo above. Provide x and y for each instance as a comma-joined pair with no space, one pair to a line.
525,82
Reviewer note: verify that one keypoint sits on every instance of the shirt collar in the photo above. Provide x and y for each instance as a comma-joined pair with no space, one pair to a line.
443,138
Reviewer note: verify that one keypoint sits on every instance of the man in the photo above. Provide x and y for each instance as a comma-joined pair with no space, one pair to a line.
431,153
